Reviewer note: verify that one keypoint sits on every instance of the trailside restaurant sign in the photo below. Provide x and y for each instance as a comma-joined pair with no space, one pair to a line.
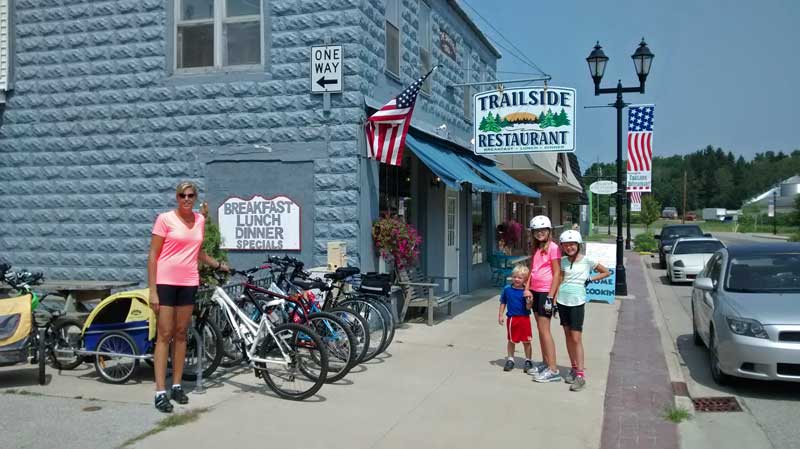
260,223
525,120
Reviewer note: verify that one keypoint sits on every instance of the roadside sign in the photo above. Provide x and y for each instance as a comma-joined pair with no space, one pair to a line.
603,187
606,255
326,69
771,209
636,207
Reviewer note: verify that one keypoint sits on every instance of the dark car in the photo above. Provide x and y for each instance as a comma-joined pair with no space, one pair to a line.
671,233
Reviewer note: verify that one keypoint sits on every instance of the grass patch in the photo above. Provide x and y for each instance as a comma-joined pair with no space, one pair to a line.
174,420
598,237
677,414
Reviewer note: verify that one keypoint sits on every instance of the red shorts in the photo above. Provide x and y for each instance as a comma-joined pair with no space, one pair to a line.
519,329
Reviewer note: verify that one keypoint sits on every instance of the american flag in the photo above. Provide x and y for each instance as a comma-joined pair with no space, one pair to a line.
636,201
387,129
640,139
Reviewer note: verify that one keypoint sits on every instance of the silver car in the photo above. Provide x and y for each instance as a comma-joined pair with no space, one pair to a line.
688,255
746,310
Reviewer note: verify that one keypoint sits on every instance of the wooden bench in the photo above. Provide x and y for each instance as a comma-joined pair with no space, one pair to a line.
419,291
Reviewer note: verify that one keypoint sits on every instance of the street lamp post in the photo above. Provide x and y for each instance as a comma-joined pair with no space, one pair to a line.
628,222
642,60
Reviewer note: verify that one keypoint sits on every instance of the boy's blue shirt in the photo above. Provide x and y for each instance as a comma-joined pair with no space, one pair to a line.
514,299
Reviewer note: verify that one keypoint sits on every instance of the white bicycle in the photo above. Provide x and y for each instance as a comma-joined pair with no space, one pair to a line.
291,358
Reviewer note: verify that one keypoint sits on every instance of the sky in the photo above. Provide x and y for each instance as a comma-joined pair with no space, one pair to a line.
725,73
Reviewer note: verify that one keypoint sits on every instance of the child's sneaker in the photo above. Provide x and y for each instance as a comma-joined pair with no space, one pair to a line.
509,365
579,384
528,366
547,376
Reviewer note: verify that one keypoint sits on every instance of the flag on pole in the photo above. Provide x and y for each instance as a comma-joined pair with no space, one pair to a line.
636,201
640,147
387,129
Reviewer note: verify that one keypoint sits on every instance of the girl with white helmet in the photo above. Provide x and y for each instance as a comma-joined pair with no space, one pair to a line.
576,274
542,287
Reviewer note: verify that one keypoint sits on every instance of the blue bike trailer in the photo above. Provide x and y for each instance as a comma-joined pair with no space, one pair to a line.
128,312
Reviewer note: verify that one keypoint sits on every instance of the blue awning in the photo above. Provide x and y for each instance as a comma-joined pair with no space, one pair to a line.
454,169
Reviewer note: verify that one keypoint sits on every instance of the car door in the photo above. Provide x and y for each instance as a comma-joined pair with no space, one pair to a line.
704,300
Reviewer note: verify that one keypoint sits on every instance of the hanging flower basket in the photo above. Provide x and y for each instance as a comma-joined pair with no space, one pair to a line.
396,241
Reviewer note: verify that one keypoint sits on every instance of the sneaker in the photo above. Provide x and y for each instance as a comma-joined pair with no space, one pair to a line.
179,396
547,376
537,368
578,385
528,366
163,404
570,377
509,365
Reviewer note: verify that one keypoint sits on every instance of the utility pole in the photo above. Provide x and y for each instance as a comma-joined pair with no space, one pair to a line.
683,219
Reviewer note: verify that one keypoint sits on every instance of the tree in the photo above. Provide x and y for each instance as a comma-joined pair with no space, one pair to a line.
651,211
561,118
211,246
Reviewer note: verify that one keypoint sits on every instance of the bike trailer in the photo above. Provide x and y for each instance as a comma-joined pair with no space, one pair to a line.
16,321
127,312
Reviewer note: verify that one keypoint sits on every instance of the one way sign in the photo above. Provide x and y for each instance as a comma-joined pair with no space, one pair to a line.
326,69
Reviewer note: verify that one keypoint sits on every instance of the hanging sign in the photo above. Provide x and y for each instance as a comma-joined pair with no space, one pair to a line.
640,148
606,255
260,224
603,187
525,120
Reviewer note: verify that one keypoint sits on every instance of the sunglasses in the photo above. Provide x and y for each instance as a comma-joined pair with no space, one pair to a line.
186,195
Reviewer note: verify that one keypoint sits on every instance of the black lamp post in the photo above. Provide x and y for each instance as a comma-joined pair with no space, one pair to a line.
642,60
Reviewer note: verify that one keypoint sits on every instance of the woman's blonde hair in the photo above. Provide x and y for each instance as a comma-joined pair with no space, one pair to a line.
543,246
186,185
521,271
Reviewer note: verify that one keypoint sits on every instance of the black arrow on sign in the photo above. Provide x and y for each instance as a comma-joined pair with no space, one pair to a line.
323,81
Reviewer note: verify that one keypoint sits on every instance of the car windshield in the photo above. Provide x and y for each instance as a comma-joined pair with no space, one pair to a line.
762,273
687,231
701,247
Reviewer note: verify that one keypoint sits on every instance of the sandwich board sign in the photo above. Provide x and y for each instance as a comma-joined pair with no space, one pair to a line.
606,255
326,69
525,120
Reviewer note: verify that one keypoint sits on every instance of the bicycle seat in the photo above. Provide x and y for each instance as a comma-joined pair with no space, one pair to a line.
343,273
309,285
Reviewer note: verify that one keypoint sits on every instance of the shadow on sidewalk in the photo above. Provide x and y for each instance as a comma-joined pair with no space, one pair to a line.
462,305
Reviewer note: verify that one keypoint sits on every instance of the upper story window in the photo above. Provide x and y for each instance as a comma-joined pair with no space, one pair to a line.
216,34
393,37
425,43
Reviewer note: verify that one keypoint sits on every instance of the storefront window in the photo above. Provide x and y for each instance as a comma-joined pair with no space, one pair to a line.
395,189
478,230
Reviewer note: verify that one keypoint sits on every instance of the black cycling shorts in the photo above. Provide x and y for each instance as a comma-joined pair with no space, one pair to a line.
572,317
176,295
538,304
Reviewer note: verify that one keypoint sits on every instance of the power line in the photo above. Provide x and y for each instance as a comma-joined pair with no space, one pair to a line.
523,58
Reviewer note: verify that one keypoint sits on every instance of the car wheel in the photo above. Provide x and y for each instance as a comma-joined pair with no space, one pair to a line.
713,358
698,341
662,260
669,276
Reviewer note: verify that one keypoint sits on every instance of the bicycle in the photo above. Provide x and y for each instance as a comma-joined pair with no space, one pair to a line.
283,353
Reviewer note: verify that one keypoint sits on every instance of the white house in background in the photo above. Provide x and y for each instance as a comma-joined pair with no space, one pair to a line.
786,191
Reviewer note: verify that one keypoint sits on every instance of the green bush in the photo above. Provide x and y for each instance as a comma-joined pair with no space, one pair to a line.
645,242
795,237
211,246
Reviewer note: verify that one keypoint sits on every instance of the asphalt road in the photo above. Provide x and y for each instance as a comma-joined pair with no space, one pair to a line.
772,409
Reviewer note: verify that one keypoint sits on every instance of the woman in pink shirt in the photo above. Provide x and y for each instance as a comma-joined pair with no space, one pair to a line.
173,278
543,284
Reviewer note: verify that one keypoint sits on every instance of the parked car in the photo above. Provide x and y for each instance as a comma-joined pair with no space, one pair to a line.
670,233
690,216
688,256
669,212
746,310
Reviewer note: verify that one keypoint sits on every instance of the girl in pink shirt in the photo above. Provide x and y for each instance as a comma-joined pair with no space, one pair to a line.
543,284
173,278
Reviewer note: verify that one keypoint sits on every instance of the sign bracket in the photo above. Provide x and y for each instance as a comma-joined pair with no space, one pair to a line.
496,82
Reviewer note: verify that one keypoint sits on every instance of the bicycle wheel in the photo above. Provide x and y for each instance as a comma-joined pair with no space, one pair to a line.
375,324
232,353
386,313
116,368
340,342
290,380
42,355
358,325
66,338
212,349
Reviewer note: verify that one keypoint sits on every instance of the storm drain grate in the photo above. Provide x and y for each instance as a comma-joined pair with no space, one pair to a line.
721,404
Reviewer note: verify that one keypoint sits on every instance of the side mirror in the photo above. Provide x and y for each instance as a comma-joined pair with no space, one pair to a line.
704,284
707,234
667,248
657,237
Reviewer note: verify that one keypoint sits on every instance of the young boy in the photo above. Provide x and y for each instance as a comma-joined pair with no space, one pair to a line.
518,311
576,272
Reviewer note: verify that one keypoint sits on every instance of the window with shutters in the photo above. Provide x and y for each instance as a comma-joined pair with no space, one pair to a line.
393,37
217,34
5,46
469,91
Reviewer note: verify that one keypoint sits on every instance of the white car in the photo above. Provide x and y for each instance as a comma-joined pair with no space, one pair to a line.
687,257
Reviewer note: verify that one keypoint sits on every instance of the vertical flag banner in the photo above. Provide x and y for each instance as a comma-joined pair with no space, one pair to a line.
387,129
640,147
636,201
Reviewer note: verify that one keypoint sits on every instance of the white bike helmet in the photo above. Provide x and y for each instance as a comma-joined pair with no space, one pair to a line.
540,222
571,237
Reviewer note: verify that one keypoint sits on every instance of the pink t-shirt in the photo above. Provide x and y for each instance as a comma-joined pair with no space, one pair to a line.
542,268
177,263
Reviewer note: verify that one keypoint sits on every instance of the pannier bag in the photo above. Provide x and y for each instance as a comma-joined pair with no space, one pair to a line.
15,329
375,283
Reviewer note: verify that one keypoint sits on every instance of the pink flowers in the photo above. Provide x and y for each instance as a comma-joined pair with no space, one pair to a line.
396,240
